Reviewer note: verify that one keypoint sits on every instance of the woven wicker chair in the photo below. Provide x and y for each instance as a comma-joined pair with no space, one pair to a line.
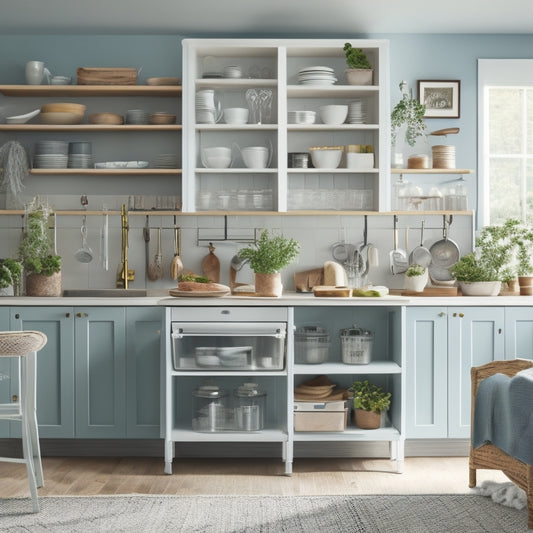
24,345
489,456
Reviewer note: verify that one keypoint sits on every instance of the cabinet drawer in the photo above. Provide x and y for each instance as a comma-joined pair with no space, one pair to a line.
230,314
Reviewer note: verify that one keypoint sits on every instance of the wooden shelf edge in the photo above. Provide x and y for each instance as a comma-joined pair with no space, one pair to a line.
104,171
91,90
90,127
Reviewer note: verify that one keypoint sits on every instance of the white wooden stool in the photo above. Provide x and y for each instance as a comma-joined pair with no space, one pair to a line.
24,345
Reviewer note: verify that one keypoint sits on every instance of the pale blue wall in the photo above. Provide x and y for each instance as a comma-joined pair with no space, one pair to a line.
413,57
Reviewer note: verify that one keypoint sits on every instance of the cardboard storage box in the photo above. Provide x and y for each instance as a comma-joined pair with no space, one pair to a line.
320,416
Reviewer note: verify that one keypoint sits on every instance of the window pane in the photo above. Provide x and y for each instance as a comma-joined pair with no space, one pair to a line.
529,103
504,189
529,191
505,121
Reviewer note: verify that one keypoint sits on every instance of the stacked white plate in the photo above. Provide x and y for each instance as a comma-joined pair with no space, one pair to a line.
357,112
301,117
232,71
443,156
80,161
165,161
316,75
51,154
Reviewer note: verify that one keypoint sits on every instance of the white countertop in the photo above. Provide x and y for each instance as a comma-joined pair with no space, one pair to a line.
290,299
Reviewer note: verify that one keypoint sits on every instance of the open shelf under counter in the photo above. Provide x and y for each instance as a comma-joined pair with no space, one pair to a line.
265,435
90,127
331,91
235,83
375,367
350,434
236,127
104,171
236,170
331,127
333,171
90,90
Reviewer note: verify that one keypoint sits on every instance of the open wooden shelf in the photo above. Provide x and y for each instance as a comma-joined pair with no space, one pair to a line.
90,90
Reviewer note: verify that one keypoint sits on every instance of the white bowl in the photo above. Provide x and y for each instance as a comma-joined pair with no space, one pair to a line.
326,156
333,114
236,115
217,151
255,156
217,161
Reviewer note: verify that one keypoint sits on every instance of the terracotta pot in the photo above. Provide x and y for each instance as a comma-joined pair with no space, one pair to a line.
367,419
268,284
41,285
526,285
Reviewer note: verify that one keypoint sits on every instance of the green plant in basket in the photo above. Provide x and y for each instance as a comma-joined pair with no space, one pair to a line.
370,397
10,273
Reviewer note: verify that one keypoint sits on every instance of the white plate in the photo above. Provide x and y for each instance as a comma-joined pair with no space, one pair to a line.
122,164
22,119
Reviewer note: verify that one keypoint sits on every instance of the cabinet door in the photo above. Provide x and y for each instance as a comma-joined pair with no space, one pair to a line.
475,337
5,373
143,347
519,332
426,369
55,367
100,372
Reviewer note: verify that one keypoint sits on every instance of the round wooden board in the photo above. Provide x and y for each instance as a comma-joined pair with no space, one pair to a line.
199,294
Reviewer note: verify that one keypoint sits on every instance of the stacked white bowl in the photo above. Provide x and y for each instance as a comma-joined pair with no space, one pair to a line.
357,112
236,115
333,114
216,157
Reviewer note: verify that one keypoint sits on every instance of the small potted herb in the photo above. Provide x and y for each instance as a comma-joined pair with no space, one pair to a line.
416,278
477,275
10,276
42,266
359,71
267,257
369,401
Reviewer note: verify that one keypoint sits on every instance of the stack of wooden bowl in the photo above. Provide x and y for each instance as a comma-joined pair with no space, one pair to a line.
106,118
443,156
161,117
62,113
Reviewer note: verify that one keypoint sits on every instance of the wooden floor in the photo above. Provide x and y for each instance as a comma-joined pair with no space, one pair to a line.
104,475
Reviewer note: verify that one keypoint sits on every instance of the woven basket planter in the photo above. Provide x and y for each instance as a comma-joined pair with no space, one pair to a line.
41,285
367,419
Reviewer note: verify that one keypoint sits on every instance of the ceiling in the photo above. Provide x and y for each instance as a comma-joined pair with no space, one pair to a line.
328,18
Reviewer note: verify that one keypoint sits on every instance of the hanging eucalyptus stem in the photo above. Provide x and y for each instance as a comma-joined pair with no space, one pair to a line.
15,167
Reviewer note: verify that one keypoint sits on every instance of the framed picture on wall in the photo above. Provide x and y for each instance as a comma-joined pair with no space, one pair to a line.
441,98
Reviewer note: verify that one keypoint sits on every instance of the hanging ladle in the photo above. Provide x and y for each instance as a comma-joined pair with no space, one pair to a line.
84,254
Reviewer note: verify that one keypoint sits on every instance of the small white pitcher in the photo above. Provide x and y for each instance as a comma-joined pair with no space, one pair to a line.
35,72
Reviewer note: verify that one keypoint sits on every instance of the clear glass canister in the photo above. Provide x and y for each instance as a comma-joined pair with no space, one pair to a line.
356,345
210,405
311,344
249,408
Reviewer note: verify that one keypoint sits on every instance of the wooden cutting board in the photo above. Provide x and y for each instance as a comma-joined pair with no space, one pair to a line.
211,265
428,291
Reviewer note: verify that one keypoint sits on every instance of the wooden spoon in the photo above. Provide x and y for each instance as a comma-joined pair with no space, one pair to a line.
176,266
211,265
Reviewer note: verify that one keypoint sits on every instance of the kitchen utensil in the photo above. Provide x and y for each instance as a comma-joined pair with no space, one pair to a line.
35,72
444,254
420,255
176,266
211,265
22,119
398,257
84,254
155,271
105,242
146,237
445,131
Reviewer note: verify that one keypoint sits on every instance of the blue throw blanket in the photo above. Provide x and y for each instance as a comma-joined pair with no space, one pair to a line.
504,414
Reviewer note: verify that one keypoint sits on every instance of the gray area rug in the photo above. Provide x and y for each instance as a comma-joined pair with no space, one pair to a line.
442,513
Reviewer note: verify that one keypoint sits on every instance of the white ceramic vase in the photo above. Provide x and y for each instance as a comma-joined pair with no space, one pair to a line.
480,288
416,283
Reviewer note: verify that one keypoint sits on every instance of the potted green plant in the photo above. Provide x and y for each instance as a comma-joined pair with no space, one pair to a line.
267,257
359,71
408,129
477,275
42,267
10,276
416,278
369,401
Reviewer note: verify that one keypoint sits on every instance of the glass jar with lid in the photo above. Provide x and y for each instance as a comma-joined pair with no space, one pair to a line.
311,344
210,408
249,407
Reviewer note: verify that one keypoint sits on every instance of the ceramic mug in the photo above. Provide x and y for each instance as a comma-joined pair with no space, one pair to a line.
35,72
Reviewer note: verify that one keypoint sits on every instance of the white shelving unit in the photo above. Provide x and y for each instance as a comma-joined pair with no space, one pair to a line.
279,188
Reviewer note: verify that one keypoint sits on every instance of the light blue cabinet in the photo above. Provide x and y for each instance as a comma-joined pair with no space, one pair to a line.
100,352
5,372
427,367
143,367
442,344
55,367
519,332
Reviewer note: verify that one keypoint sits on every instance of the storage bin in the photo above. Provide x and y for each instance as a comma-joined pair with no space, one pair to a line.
356,345
311,344
320,420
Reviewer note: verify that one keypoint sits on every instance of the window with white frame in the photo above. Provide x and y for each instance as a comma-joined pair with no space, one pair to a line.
505,140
